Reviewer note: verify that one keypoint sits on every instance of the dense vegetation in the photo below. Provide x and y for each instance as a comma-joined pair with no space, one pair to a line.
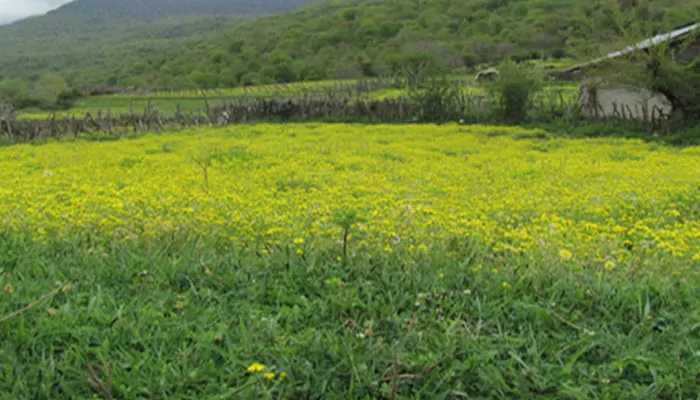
350,39
337,39
314,260
100,11
85,42
36,68
306,261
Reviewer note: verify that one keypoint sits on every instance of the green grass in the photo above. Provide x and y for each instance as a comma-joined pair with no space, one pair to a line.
124,105
194,102
182,320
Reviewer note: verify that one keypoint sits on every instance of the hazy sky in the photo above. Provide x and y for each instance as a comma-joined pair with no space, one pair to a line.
11,10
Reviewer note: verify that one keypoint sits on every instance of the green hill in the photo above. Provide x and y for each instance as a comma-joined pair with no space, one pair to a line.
100,11
346,39
332,39
83,40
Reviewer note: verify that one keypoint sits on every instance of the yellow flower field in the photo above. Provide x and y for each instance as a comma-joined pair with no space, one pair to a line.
414,187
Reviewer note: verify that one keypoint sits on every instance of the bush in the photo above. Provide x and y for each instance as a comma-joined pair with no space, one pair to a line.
67,98
515,88
439,100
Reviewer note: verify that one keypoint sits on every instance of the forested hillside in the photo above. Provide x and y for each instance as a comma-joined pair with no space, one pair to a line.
108,43
100,11
88,42
344,39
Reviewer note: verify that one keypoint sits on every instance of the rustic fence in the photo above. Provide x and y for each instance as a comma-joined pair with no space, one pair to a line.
464,107
14,130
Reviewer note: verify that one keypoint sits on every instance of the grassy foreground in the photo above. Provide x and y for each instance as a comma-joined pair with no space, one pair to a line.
342,261
186,323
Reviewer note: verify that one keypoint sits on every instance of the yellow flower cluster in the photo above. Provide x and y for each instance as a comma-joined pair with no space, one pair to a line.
412,188
256,367
269,375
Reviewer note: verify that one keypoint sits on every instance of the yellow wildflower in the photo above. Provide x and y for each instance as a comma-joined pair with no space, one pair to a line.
256,367
269,376
515,207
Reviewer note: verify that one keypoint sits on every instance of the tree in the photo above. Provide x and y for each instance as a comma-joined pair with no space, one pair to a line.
14,92
204,79
671,68
48,87
481,46
426,59
515,87
67,98
679,82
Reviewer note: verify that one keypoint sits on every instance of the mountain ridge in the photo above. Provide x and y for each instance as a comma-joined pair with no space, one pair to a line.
156,9
87,37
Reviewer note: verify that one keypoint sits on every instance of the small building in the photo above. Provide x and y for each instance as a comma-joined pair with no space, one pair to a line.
601,99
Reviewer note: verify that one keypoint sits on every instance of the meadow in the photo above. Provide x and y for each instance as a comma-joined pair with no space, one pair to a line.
197,101
350,261
193,101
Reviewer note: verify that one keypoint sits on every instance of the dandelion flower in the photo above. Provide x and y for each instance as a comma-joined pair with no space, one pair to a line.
256,367
269,376
565,254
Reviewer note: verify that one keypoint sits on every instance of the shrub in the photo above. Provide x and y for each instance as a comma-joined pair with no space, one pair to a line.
67,98
515,88
439,100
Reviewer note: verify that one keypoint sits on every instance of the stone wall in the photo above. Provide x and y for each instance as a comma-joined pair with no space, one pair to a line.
623,101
